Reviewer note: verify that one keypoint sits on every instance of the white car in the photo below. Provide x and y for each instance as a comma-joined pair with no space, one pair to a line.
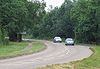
57,39
69,41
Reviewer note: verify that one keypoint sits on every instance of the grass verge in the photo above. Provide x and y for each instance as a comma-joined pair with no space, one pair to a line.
17,49
92,62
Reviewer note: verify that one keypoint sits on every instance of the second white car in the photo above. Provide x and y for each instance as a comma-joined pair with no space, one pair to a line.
69,41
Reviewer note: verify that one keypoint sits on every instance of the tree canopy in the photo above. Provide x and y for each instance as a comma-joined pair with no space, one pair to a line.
17,16
78,19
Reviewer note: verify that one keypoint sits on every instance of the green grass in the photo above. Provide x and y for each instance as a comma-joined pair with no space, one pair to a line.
92,62
36,47
18,49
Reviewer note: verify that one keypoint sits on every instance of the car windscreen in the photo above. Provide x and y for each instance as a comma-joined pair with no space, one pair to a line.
69,39
57,38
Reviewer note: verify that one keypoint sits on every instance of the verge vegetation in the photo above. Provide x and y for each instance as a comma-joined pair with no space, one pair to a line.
18,49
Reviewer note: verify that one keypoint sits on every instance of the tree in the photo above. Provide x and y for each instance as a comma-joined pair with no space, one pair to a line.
13,16
18,16
85,16
36,12
57,22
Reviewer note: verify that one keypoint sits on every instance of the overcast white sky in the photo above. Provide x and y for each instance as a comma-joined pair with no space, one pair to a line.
54,3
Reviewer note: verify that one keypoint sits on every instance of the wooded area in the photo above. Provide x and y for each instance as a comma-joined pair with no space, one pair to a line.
18,16
78,19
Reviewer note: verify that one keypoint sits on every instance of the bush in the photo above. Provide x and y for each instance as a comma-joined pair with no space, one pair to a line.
4,42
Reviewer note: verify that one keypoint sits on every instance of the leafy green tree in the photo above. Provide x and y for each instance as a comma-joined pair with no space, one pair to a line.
13,15
17,16
57,22
36,13
85,15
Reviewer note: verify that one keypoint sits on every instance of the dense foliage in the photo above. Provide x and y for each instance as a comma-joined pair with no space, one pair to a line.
58,22
12,15
78,19
18,16
86,15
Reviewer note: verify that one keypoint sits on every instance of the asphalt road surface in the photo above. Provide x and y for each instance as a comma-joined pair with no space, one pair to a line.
56,53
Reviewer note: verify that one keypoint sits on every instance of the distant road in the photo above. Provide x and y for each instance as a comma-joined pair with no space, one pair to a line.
55,53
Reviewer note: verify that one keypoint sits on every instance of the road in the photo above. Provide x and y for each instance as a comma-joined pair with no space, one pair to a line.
56,53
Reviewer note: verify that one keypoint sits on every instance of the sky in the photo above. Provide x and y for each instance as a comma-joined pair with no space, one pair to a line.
54,3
